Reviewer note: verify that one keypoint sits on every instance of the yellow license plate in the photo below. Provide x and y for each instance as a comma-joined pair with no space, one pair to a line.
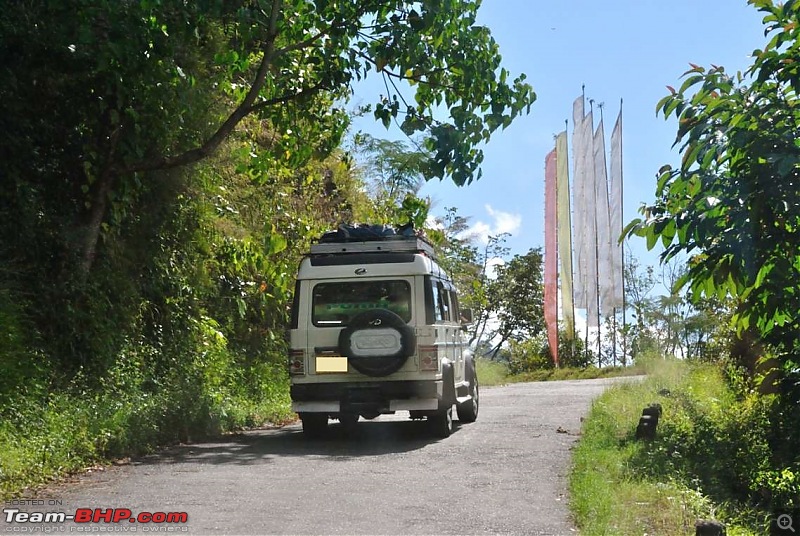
331,364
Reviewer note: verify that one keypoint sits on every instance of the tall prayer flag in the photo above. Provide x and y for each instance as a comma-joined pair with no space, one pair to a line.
604,251
615,211
590,236
551,255
564,234
580,145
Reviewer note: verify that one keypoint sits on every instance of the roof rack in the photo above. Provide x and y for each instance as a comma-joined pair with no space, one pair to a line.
387,244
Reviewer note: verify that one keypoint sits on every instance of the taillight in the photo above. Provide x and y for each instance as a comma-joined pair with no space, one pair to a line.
428,357
297,362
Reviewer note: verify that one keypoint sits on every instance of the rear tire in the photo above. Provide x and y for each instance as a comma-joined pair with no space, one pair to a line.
314,424
468,411
441,423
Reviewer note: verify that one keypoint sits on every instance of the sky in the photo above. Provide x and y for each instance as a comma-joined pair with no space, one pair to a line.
617,49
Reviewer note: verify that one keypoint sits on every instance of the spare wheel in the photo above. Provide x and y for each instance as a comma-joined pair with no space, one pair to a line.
377,342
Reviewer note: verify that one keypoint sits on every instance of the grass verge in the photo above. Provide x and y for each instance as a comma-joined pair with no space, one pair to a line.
587,373
73,432
621,486
491,373
497,373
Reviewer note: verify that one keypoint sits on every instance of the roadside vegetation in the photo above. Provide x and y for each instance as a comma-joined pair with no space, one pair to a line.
492,373
728,442
166,164
720,454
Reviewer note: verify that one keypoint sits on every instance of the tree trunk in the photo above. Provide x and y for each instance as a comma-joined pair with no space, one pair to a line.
98,209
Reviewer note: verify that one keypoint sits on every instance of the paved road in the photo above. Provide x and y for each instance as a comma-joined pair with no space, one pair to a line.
504,474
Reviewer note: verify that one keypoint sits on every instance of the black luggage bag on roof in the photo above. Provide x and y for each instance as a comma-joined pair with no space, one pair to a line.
366,233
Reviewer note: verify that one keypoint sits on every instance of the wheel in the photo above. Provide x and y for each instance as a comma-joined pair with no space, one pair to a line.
377,342
468,411
314,424
441,422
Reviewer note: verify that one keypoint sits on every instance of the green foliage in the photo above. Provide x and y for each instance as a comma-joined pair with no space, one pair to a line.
529,355
165,166
734,450
21,375
516,297
533,354
491,372
717,454
394,168
608,495
132,414
180,333
732,203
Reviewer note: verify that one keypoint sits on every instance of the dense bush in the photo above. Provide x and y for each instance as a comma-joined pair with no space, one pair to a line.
164,166
720,452
178,334
736,447
533,354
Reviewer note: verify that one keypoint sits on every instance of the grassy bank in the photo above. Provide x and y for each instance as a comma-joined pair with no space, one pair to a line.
713,458
566,373
49,428
73,431
497,373
491,373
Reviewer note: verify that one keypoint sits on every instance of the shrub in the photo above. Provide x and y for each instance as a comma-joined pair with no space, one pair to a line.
740,452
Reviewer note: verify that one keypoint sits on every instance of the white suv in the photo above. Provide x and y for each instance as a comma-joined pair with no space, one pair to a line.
376,328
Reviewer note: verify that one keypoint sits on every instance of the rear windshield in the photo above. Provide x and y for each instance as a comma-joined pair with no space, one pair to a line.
335,304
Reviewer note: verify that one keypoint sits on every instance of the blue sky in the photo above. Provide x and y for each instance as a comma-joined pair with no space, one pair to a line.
618,49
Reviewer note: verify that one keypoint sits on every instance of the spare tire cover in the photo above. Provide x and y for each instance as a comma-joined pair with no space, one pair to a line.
377,342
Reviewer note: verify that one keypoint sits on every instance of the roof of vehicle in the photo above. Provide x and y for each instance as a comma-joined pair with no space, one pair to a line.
372,255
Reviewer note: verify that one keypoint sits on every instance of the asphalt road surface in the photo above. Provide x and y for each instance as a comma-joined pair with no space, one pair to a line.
504,474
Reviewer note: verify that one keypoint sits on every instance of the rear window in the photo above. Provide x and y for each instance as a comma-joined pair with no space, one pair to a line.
335,304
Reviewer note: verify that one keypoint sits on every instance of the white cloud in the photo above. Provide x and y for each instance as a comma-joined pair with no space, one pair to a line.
481,231
432,222
491,266
502,222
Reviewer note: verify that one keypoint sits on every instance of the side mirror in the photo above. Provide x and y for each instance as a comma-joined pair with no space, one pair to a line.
466,316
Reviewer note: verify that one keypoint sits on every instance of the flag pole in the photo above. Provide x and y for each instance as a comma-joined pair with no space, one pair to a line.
622,249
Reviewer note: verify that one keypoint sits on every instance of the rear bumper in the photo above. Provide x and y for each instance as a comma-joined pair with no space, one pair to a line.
366,397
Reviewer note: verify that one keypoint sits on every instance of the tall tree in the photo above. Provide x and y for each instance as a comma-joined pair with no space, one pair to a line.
394,167
638,285
516,297
394,173
732,204
97,95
